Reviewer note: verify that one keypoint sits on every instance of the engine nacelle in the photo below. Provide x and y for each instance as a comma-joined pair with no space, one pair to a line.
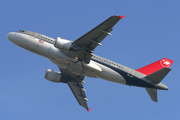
62,44
53,76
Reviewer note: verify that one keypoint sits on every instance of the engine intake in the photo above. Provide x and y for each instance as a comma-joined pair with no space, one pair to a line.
53,76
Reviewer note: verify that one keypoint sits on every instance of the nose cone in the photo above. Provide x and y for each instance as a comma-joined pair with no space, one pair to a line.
9,36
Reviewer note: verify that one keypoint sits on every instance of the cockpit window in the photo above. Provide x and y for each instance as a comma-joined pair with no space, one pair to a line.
21,31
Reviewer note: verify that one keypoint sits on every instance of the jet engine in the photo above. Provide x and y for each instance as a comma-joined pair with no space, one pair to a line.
52,75
62,44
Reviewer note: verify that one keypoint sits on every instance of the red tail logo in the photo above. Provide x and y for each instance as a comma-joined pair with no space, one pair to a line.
165,62
151,68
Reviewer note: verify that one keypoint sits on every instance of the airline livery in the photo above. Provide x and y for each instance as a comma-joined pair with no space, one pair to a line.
76,60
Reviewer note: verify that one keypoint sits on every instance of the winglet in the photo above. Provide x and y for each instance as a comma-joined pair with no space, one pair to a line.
89,109
121,16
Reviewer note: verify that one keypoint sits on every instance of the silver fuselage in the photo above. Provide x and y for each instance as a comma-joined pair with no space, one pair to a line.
98,67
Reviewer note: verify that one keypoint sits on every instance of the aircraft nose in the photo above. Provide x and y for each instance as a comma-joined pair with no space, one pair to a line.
9,36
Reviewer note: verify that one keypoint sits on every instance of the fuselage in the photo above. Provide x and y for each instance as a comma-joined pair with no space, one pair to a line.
98,67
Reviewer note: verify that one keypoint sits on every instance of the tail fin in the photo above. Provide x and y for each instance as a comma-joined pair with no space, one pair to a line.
155,72
151,68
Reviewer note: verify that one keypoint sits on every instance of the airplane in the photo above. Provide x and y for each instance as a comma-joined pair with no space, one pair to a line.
76,60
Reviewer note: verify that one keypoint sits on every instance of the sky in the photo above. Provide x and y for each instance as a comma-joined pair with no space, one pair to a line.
148,32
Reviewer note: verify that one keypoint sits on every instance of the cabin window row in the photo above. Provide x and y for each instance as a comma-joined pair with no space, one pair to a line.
37,35
45,38
106,61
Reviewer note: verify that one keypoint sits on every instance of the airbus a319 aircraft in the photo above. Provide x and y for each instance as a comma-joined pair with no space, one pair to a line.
76,60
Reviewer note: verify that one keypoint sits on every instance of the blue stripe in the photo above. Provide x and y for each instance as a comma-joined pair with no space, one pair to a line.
134,81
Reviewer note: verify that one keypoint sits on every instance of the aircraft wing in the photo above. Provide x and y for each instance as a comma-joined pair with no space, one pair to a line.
75,82
89,41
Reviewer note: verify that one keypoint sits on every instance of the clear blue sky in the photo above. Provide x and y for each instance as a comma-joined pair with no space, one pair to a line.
150,31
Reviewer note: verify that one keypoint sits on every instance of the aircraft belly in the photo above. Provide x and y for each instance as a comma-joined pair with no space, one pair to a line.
92,69
73,65
76,68
110,75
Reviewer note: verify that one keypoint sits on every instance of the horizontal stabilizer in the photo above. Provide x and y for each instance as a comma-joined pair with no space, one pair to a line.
152,93
157,76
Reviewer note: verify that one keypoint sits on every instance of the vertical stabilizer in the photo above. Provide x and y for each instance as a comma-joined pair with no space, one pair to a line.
151,68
